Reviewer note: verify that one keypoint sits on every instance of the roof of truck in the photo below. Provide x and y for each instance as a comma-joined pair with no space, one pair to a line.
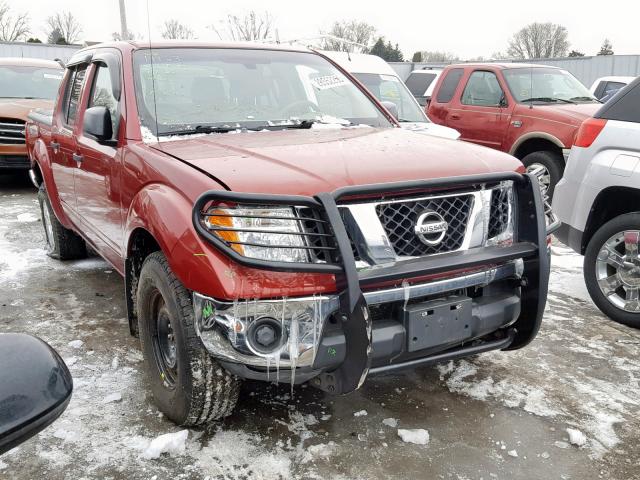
140,44
29,62
502,66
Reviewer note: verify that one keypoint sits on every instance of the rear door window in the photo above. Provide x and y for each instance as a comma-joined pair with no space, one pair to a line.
449,85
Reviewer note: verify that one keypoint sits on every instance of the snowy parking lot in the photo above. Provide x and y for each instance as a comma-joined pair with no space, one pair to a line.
565,407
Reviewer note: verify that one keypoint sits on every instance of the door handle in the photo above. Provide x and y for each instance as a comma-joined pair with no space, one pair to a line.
77,157
55,146
455,116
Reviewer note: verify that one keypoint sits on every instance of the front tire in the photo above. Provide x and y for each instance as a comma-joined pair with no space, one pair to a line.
548,166
61,243
189,386
612,269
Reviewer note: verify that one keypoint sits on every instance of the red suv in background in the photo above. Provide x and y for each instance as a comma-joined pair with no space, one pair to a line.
530,111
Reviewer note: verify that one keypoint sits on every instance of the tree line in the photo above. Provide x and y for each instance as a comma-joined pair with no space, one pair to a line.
536,40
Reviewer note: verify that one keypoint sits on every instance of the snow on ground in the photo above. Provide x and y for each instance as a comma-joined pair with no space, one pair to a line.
419,436
581,373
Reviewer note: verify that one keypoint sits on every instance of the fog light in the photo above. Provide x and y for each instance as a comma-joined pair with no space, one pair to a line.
265,335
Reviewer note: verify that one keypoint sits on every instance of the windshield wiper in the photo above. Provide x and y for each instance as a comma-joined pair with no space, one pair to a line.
585,99
546,99
200,129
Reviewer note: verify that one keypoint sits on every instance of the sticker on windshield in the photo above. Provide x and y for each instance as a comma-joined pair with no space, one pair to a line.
328,81
50,75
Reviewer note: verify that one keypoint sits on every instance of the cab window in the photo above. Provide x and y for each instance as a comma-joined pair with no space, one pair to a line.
72,94
482,90
102,95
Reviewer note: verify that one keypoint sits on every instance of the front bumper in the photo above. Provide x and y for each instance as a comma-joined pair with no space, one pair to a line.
363,327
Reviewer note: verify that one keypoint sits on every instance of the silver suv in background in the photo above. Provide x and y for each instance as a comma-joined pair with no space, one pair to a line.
598,203
422,82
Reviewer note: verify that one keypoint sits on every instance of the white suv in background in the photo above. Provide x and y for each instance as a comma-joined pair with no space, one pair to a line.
598,203
422,82
385,84
606,87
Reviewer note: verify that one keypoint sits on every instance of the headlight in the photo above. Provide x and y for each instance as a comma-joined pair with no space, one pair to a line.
265,233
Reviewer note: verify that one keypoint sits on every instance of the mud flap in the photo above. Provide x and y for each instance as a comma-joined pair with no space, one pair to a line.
354,315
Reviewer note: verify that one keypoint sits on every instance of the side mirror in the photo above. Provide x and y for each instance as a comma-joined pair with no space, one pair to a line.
35,388
97,123
392,107
503,101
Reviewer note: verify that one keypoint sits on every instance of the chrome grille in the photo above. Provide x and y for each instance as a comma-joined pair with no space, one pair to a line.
399,221
11,131
499,211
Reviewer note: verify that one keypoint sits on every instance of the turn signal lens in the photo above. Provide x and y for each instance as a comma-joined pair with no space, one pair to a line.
588,132
221,218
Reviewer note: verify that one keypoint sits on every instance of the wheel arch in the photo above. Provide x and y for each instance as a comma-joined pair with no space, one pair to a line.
535,142
610,203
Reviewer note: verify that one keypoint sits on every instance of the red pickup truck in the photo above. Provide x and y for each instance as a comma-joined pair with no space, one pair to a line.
273,222
530,111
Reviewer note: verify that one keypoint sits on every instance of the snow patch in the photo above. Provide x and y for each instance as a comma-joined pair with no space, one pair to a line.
75,343
419,436
360,413
513,453
390,422
27,217
171,443
112,397
576,437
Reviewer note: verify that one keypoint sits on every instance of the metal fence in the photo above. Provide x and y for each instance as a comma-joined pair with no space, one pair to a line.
586,69
37,50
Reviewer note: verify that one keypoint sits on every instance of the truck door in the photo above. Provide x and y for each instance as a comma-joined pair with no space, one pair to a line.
482,113
63,143
98,172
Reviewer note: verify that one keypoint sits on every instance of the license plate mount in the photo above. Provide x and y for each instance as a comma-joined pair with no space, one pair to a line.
438,322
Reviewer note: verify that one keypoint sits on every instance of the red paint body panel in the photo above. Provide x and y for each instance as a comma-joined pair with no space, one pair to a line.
495,127
116,190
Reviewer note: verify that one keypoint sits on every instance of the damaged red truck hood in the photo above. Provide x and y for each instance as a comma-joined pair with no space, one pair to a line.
306,162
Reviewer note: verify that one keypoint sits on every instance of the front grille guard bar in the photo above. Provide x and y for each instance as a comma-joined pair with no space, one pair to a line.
530,244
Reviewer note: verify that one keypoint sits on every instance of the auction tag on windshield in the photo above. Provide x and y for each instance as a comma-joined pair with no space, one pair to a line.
328,81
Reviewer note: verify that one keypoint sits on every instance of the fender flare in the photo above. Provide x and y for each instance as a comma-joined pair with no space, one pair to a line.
535,135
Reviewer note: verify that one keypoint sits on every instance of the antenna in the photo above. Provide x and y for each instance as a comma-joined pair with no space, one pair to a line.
530,86
153,76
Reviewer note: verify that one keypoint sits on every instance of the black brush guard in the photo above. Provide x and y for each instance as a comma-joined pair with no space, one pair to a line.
530,245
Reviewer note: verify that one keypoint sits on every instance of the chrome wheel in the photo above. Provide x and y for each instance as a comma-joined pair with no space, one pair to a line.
618,270
164,341
543,175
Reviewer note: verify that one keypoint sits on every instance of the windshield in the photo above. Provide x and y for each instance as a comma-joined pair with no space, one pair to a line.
196,88
546,85
29,82
389,88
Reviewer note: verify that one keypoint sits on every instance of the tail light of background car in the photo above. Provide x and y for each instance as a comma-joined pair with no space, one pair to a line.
589,131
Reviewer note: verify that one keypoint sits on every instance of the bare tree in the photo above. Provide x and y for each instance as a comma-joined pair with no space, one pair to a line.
539,40
66,25
12,27
250,27
349,36
128,35
436,56
174,30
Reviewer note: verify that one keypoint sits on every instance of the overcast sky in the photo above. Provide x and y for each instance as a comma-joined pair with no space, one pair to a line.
464,27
